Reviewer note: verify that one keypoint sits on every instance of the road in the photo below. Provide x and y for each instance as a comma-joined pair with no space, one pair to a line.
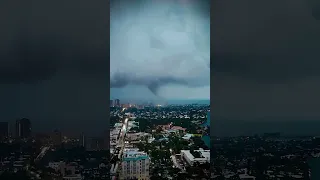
121,144
42,153
175,162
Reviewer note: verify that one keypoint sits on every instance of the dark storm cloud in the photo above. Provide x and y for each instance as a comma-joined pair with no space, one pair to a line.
164,73
265,60
120,80
154,86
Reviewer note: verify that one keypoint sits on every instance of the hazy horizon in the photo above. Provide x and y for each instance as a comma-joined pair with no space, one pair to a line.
169,101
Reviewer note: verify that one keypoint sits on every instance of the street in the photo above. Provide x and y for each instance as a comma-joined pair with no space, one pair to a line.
121,144
174,160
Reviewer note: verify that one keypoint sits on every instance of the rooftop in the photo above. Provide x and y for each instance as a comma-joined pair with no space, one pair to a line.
205,154
134,155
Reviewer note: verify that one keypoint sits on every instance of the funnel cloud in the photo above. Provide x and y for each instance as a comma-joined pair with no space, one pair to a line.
159,46
121,80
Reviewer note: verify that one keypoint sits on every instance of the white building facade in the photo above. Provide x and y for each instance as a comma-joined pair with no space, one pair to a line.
135,164
190,159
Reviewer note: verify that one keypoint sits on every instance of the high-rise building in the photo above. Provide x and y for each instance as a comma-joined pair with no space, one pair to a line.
83,140
135,164
23,128
117,102
56,138
111,103
4,129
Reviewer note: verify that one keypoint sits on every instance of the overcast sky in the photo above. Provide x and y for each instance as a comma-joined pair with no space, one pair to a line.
160,49
54,64
265,61
54,68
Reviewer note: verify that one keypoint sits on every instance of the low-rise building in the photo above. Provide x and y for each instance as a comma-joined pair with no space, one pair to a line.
201,156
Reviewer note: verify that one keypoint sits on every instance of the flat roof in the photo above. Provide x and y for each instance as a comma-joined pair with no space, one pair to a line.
204,153
134,155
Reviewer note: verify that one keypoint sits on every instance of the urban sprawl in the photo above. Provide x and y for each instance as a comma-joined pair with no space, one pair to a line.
159,142
154,142
146,142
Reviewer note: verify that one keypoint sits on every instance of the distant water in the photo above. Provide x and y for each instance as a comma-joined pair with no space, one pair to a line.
189,101
206,140
207,122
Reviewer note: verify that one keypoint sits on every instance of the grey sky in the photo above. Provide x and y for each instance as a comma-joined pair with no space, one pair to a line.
160,49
